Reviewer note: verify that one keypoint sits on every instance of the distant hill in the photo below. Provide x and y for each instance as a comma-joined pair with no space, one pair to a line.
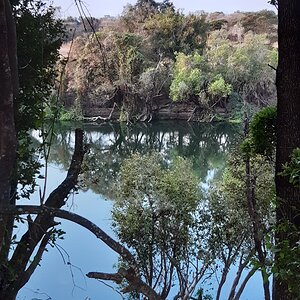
125,65
264,21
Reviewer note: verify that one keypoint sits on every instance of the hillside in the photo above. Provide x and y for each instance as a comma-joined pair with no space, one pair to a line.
155,62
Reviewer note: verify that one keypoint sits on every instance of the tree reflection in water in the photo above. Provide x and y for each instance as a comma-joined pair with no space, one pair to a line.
206,145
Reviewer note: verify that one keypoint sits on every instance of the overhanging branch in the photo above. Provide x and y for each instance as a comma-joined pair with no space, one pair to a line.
134,281
75,218
35,233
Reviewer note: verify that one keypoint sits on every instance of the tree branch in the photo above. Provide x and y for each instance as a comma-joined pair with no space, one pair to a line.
242,287
27,274
135,282
75,218
116,277
44,221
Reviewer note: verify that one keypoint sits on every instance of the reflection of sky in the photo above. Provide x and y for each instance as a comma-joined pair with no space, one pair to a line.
59,280
54,278
253,289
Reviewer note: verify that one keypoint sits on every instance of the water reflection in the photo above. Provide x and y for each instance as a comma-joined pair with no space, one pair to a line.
206,145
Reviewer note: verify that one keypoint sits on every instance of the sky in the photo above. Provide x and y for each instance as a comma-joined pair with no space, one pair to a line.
99,8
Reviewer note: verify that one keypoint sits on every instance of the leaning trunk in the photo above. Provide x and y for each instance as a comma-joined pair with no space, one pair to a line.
288,129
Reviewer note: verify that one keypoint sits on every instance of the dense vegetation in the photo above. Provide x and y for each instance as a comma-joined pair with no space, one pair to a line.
199,66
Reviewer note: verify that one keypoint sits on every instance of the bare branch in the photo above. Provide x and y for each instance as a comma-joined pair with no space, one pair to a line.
43,222
116,277
272,67
105,119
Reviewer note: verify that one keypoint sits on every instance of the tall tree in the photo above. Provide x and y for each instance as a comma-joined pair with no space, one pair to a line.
288,128
8,87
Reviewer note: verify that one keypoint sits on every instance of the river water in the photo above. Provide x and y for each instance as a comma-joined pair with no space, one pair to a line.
61,275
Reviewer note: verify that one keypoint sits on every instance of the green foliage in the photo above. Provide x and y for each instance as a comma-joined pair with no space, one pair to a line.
40,36
153,213
187,76
291,169
244,65
130,57
148,190
287,263
231,222
201,295
247,148
134,15
172,32
155,80
225,68
28,166
70,115
263,131
234,180
163,30
218,87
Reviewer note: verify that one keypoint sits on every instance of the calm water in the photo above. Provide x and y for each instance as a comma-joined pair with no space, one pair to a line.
62,272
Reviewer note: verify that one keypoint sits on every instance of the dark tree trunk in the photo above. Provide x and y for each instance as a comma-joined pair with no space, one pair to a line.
288,129
7,128
8,89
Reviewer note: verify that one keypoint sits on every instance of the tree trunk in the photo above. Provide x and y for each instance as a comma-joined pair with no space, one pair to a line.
288,128
8,90
7,126
9,297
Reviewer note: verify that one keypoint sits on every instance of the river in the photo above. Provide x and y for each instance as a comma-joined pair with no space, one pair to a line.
61,275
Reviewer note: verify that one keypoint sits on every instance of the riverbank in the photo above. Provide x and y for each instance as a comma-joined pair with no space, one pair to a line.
182,111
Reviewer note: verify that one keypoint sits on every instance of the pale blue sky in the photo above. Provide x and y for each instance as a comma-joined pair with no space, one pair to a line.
99,8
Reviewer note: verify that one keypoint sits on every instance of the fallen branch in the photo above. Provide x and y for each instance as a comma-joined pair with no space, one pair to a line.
116,277
135,283
105,119
192,114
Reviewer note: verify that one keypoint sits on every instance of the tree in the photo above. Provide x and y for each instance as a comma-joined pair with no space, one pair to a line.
188,78
154,83
39,37
154,216
134,16
226,71
288,133
8,91
170,32
242,241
